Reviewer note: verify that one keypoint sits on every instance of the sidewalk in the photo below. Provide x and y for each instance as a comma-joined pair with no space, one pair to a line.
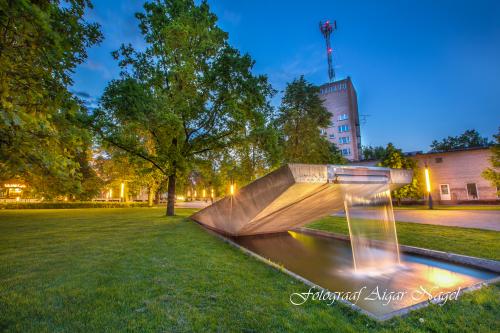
192,204
480,219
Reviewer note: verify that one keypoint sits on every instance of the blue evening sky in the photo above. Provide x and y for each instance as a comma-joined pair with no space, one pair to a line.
423,69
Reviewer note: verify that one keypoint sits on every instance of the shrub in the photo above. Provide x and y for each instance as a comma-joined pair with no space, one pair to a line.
66,205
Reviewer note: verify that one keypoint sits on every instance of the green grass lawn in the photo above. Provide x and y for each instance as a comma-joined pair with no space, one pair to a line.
94,270
470,242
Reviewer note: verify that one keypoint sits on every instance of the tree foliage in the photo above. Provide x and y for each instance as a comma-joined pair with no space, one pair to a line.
468,139
394,158
493,174
372,153
300,119
41,42
187,94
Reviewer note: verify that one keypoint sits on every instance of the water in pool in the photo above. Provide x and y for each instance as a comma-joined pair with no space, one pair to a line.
328,262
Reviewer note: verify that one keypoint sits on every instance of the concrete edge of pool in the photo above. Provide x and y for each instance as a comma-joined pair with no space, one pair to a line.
484,264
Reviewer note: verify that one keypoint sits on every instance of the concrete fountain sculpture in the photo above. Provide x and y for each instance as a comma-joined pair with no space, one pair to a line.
297,194
294,195
265,218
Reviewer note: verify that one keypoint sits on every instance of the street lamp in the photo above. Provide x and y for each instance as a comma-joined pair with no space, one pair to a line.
232,188
122,191
428,185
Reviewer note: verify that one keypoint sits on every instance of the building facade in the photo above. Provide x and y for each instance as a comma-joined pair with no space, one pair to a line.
456,175
341,101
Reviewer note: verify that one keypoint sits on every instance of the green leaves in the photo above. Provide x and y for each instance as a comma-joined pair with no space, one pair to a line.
40,45
300,119
188,94
394,158
492,174
469,139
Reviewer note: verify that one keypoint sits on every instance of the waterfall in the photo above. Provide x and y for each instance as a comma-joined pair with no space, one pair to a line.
372,229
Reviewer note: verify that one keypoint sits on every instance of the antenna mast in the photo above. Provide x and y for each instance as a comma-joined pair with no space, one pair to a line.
326,30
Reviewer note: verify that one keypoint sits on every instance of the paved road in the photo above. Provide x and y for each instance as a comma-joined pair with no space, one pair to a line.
192,204
481,219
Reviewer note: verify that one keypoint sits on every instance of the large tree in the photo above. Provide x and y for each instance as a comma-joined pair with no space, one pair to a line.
394,158
493,174
468,139
41,43
300,119
187,94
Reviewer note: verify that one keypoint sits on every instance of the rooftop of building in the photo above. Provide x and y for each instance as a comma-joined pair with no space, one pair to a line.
347,79
451,150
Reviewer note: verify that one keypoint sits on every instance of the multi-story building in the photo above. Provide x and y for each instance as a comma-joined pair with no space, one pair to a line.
341,101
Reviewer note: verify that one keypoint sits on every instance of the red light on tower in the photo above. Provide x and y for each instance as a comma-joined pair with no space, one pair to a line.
326,30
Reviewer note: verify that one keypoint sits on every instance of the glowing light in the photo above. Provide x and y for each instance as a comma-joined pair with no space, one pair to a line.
14,185
212,193
110,192
122,190
189,193
204,193
232,188
17,199
442,277
65,198
180,197
427,180
195,193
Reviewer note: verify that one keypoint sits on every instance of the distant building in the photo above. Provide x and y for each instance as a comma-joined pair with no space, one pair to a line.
341,101
13,189
455,176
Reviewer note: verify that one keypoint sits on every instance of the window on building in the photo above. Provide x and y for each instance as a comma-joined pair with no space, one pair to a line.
344,139
346,152
472,191
332,136
445,189
343,116
343,128
438,160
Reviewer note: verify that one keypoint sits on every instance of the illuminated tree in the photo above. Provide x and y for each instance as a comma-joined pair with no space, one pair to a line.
492,174
394,158
187,94
41,140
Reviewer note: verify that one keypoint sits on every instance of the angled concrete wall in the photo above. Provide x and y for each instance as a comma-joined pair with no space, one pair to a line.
292,196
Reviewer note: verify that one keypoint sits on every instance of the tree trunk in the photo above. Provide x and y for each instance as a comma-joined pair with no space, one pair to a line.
157,197
151,195
171,193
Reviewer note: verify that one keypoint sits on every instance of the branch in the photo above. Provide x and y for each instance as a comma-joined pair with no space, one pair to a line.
132,151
